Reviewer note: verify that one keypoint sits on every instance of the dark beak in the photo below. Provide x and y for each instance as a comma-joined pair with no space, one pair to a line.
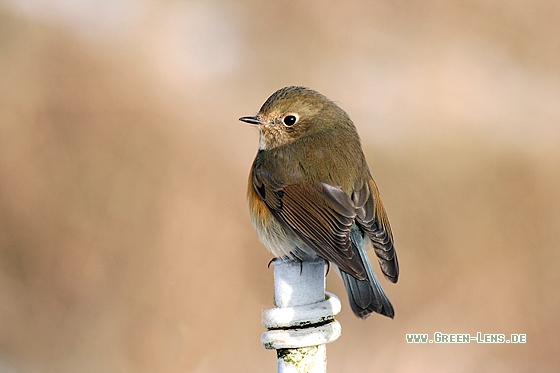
251,120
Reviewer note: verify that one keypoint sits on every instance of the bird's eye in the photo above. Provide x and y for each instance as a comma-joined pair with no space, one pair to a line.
290,120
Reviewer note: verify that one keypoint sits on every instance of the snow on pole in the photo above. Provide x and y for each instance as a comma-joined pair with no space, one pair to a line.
303,322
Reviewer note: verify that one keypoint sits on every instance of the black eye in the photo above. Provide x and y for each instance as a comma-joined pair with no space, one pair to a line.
290,120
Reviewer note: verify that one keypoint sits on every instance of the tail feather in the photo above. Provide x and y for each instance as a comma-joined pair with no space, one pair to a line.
365,296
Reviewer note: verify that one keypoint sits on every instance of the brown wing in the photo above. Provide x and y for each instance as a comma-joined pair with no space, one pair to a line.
372,218
320,221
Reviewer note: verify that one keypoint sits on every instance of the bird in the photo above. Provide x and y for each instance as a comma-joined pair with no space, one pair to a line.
311,194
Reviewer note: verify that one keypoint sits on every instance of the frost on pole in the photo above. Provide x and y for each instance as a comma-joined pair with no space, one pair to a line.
303,321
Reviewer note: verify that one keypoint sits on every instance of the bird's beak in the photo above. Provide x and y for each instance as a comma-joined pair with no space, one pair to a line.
251,120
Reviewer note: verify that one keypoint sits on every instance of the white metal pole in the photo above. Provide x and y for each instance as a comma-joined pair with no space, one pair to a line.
303,322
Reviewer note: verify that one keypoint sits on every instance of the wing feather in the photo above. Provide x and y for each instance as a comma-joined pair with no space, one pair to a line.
372,218
321,224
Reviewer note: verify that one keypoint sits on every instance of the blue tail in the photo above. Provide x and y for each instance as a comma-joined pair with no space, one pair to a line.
365,296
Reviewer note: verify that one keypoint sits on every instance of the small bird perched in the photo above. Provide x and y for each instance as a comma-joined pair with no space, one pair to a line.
311,194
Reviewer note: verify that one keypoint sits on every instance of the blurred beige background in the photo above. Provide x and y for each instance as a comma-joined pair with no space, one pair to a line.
125,242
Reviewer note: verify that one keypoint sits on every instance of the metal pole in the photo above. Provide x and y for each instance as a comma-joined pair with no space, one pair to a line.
303,322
